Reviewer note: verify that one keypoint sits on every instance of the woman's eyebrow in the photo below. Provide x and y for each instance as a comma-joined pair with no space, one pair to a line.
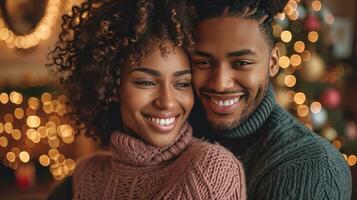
182,72
146,70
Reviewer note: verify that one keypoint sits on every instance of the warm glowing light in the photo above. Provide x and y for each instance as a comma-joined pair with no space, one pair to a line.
16,134
65,131
44,160
352,160
68,140
34,103
46,97
70,164
303,110
24,156
42,131
294,16
4,98
54,154
316,5
306,55
1,127
10,156
19,113
51,133
53,143
344,156
16,98
299,46
33,121
8,127
48,107
315,107
286,36
299,98
290,81
9,118
295,60
3,141
337,144
284,62
313,36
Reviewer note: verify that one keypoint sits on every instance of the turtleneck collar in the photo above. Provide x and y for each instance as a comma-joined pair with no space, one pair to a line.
256,120
133,151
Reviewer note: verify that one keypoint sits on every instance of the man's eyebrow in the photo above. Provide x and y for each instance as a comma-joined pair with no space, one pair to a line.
241,52
182,72
146,70
201,53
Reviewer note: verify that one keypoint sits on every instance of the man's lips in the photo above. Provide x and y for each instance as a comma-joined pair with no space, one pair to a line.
224,104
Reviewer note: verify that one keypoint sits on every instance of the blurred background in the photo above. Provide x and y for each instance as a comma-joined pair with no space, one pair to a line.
317,83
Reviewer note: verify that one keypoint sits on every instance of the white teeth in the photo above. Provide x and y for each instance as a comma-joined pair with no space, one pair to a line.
227,102
162,121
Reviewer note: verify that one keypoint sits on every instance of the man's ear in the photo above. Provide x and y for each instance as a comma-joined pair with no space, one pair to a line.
274,62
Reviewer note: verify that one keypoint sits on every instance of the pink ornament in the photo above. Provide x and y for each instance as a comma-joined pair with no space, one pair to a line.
312,23
331,98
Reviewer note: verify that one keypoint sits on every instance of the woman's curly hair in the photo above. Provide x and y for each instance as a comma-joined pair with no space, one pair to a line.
97,38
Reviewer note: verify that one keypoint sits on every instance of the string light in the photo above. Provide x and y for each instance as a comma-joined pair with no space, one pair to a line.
299,98
295,60
284,62
313,36
303,110
4,98
316,5
286,36
290,81
299,46
315,107
24,156
352,160
41,32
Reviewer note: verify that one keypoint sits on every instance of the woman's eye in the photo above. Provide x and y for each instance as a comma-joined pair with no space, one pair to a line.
145,83
183,84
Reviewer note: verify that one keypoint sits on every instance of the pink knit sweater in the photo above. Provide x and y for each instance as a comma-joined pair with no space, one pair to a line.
186,169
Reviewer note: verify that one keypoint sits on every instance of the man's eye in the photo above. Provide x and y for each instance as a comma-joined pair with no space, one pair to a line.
239,63
202,63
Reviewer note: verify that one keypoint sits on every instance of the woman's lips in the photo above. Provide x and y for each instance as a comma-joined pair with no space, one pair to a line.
162,122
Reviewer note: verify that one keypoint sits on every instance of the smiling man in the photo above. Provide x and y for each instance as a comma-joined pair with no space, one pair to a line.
232,67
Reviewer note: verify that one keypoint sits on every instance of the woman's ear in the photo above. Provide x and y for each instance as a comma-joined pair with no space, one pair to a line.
274,61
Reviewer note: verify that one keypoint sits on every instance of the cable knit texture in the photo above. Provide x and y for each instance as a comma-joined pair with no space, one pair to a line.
188,168
283,159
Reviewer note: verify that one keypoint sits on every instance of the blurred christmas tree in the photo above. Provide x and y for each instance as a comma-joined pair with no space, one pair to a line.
311,80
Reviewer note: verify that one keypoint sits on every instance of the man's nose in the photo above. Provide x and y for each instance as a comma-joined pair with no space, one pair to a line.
221,78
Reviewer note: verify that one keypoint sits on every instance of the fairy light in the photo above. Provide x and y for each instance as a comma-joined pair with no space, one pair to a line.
44,160
299,98
19,113
4,98
34,103
299,46
316,5
286,36
24,156
41,32
284,61
33,121
352,160
10,156
315,107
295,60
290,81
337,144
8,127
16,134
1,127
303,110
16,98
313,36
3,141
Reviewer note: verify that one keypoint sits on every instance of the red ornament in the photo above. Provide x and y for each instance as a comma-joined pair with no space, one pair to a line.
331,98
312,23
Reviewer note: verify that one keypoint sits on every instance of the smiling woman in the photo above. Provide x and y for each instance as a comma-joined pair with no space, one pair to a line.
130,80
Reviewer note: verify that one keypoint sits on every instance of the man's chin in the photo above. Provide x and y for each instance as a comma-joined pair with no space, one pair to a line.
223,126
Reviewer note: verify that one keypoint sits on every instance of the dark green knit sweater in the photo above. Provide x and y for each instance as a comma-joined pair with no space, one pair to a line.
282,158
